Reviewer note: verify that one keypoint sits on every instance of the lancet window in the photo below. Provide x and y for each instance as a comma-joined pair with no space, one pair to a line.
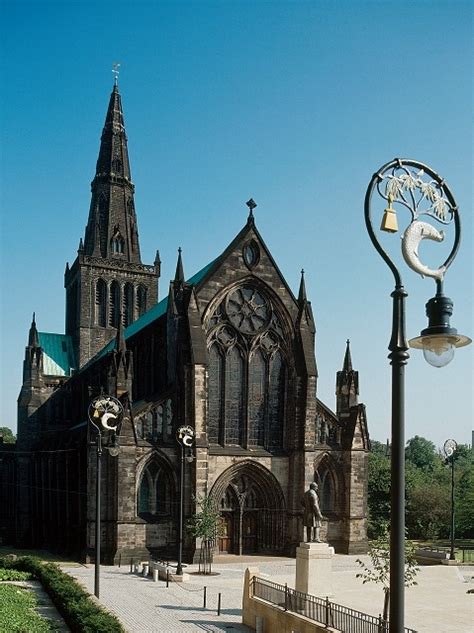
101,303
247,372
114,304
154,492
127,304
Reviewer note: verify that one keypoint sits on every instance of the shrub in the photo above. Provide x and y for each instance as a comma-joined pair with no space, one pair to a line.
13,574
77,607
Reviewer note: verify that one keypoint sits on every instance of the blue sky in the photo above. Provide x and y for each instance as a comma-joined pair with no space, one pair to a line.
295,104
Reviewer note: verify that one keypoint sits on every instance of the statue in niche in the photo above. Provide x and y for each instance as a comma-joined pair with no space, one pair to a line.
312,516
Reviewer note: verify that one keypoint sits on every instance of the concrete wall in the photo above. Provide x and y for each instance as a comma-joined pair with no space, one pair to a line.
275,619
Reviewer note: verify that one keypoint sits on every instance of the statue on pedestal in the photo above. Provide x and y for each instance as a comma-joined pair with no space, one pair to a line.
312,516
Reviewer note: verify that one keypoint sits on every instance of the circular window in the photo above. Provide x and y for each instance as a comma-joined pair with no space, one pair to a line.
251,254
248,310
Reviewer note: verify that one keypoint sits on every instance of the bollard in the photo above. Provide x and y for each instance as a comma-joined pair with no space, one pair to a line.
286,596
155,574
136,567
205,596
167,577
146,569
131,565
219,604
120,559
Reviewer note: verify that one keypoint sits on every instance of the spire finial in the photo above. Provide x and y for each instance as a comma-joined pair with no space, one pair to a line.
302,291
116,72
347,366
33,336
179,275
251,205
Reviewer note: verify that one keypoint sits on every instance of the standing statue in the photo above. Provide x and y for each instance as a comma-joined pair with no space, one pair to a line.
312,516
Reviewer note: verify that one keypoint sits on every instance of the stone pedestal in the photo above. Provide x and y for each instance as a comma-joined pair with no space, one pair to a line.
314,569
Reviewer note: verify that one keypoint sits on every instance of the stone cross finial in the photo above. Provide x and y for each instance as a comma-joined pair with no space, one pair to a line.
251,205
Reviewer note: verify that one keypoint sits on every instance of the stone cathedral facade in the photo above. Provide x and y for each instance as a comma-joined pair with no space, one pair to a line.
229,351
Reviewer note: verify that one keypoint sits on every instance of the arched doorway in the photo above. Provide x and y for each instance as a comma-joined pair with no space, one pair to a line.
252,508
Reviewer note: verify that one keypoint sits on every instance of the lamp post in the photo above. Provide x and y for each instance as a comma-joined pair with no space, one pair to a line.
185,438
418,190
102,410
449,448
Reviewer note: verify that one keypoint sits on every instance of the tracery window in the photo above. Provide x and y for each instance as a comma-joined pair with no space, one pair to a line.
247,371
157,424
154,492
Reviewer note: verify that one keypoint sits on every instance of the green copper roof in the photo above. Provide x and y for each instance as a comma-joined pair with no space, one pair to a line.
58,358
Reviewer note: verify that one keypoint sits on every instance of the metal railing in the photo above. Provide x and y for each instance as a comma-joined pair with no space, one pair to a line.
321,610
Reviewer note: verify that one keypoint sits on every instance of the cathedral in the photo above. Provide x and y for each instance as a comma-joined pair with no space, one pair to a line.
229,351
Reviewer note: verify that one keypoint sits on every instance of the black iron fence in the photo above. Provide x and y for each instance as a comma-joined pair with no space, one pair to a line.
321,610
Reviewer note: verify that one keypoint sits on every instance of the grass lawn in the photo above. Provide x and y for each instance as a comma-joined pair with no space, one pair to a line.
17,611
445,544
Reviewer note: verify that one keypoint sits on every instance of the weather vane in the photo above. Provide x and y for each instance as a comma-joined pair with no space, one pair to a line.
116,71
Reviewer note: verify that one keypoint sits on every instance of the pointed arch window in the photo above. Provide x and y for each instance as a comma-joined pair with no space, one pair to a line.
234,376
155,492
118,244
127,304
141,300
114,304
117,165
216,372
256,408
247,372
327,488
101,303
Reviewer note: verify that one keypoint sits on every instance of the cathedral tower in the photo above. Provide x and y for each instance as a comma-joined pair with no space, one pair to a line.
347,385
108,282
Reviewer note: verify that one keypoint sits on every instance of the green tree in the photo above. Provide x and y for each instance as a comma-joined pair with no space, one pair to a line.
7,435
379,569
378,493
205,524
421,452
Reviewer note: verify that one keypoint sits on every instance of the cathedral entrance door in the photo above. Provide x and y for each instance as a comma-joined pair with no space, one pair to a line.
249,533
225,540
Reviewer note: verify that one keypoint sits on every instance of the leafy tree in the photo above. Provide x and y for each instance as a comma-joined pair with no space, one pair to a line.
205,524
421,453
428,511
379,570
464,515
378,494
7,435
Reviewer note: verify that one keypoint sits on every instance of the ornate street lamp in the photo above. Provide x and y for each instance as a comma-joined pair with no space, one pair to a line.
449,448
185,439
419,192
105,414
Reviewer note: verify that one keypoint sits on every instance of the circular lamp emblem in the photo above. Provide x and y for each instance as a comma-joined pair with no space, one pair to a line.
106,411
185,435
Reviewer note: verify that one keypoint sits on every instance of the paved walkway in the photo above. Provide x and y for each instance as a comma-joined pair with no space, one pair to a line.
438,604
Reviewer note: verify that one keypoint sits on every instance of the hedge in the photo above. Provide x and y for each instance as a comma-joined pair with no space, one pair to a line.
81,613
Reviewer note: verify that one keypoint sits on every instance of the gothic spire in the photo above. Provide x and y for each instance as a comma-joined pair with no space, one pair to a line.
347,384
120,345
179,275
347,365
302,291
33,337
111,230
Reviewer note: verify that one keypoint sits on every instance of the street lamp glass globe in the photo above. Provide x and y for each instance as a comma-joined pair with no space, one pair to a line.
439,350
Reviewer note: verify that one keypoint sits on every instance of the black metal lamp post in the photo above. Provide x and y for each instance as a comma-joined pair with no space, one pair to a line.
185,439
102,411
450,448
415,188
